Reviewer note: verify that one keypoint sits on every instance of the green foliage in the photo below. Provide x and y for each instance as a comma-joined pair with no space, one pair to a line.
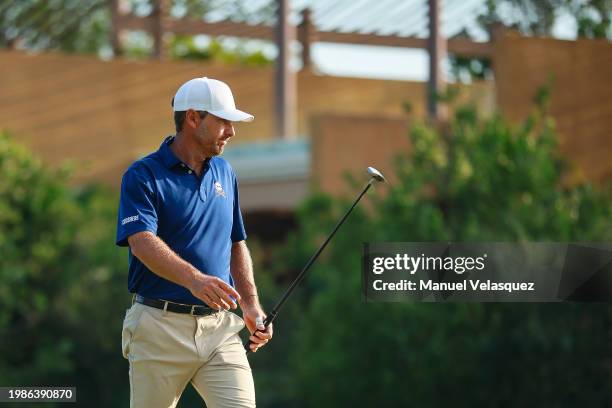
63,281
477,180
538,17
464,68
185,47
69,25
486,180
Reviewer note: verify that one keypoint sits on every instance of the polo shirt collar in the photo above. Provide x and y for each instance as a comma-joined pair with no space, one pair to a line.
167,157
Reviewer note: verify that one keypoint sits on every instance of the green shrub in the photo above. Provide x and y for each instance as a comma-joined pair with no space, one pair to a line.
63,291
476,180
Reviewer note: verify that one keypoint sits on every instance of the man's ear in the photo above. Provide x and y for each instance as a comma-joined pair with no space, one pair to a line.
190,118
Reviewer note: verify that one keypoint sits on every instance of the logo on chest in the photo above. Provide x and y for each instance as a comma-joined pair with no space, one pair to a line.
219,189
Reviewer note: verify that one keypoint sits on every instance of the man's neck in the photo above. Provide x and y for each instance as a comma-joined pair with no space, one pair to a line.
184,148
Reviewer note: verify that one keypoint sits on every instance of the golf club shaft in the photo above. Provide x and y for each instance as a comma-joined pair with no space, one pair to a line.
272,315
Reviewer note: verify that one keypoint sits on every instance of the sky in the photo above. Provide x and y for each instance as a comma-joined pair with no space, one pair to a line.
371,62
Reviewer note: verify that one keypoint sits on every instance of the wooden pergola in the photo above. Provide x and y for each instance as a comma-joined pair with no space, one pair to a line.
284,33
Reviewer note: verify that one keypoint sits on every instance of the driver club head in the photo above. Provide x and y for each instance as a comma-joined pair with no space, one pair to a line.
376,175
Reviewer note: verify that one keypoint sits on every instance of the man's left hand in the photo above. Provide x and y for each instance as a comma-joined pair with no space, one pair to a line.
260,335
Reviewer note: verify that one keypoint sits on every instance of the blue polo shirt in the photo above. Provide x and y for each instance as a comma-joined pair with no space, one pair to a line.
199,218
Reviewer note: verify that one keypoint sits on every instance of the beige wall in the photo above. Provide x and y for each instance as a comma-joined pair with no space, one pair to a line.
103,115
581,99
347,144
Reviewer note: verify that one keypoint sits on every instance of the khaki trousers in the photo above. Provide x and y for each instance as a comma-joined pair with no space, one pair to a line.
167,350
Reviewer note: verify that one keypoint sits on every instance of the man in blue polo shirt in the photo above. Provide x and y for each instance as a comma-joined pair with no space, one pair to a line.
188,261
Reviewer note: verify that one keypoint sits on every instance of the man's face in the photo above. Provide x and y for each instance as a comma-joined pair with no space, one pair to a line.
212,134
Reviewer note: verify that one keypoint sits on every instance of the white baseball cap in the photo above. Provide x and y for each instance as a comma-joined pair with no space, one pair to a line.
210,95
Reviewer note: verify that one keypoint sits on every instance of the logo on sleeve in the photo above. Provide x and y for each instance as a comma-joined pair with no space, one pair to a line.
219,189
127,220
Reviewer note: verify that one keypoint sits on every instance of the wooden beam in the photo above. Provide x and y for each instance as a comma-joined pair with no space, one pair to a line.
160,26
131,22
116,28
285,79
467,48
305,30
194,27
436,45
459,46
369,39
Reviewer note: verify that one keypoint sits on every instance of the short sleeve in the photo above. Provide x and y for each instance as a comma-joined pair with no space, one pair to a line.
137,211
238,231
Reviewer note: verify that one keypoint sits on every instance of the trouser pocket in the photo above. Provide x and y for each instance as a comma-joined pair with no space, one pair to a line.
237,323
132,319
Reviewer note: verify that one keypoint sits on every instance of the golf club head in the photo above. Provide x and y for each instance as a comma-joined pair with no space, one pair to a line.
376,175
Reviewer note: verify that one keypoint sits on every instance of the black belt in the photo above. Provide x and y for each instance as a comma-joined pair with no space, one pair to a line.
195,310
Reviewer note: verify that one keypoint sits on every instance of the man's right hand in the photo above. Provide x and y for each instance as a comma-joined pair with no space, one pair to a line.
163,261
214,292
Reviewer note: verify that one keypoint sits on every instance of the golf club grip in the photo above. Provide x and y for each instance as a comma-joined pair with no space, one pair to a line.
267,322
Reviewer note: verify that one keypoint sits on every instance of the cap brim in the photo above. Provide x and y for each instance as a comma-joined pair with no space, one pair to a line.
233,115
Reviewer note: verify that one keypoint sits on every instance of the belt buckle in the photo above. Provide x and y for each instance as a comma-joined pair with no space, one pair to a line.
192,310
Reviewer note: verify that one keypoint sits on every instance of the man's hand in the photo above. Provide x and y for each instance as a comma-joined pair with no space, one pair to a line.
163,261
214,292
253,318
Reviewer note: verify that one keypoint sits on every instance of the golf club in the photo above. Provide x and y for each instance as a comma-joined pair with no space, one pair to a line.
375,176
